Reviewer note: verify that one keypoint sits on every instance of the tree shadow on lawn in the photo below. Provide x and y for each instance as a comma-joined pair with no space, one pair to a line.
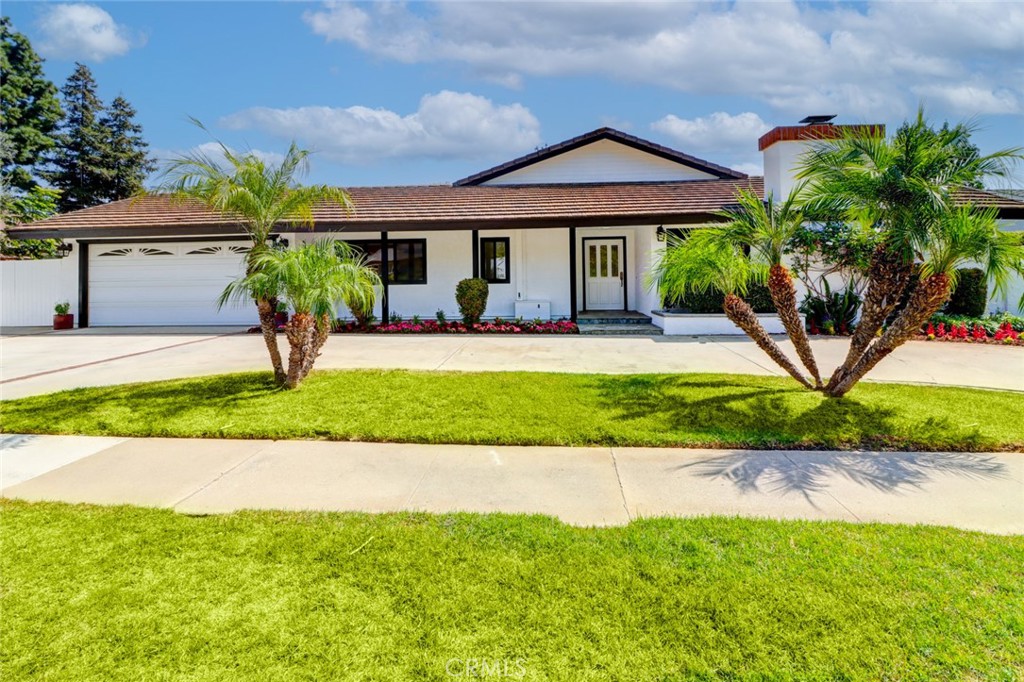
747,413
148,403
739,410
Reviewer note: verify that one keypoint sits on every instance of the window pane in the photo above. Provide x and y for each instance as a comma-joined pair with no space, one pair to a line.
615,260
604,260
500,269
593,260
419,262
487,253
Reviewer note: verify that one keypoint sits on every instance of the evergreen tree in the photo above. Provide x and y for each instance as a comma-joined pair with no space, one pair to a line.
79,164
29,109
127,158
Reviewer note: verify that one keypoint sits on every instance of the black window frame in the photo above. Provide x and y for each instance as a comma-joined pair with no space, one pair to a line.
394,245
483,259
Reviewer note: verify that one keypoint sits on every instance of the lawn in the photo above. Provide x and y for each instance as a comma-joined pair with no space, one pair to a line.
121,593
535,409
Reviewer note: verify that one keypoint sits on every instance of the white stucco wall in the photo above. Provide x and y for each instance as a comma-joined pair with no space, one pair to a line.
780,162
601,161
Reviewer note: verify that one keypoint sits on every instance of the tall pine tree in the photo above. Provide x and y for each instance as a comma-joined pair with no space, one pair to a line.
78,164
29,109
126,152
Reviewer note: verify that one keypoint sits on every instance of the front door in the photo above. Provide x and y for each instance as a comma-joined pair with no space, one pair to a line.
605,268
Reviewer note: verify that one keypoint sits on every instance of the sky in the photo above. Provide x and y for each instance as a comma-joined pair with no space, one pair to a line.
396,93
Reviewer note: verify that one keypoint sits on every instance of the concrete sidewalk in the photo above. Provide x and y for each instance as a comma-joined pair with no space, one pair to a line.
582,486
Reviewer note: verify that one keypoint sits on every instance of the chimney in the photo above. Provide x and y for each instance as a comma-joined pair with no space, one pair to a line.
783,146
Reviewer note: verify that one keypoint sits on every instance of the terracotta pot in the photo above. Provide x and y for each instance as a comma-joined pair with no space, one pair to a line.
64,321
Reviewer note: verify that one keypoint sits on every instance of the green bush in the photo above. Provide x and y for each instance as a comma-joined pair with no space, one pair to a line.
711,301
471,295
970,297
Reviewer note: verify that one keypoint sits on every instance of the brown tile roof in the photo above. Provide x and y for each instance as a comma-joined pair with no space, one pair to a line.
603,134
441,207
426,207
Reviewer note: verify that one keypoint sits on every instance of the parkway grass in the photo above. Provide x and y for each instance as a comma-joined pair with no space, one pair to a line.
520,408
121,593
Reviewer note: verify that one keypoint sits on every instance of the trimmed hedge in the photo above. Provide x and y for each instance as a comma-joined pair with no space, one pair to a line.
970,297
711,301
471,295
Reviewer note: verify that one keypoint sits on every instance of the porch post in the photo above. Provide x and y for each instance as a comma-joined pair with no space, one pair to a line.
476,253
83,284
572,274
385,305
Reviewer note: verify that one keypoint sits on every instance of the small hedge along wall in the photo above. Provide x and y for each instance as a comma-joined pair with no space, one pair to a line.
471,295
496,326
711,301
970,297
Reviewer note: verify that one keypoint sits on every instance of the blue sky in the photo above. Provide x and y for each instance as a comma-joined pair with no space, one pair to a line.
407,93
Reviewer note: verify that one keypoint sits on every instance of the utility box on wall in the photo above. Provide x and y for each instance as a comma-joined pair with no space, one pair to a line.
532,310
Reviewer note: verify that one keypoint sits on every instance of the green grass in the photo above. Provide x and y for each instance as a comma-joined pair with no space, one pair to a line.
535,409
120,593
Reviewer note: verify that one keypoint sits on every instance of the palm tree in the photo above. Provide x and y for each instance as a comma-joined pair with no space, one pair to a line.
712,258
765,228
262,198
898,190
313,280
962,237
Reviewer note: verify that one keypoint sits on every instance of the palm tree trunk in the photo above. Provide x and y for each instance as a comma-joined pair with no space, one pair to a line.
300,331
928,297
888,277
744,317
320,334
267,308
780,285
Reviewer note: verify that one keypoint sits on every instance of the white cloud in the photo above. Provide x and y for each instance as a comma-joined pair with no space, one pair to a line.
81,31
858,60
447,125
215,154
719,131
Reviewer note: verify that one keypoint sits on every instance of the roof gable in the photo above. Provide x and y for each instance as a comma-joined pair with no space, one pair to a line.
661,159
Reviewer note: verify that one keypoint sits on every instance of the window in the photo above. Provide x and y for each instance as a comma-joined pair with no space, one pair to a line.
407,259
494,259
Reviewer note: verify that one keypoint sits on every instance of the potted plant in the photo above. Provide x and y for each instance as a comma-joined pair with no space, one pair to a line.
62,319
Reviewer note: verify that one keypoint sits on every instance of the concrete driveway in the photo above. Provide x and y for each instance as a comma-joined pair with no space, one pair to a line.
582,486
34,361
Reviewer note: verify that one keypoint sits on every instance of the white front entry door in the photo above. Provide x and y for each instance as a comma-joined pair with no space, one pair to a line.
605,271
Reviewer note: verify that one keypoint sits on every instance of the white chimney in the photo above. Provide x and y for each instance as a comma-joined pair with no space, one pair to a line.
783,146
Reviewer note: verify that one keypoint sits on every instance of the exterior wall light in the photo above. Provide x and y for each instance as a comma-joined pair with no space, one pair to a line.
64,250
661,234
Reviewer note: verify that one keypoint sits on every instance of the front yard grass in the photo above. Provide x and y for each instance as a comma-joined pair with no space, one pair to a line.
122,593
711,410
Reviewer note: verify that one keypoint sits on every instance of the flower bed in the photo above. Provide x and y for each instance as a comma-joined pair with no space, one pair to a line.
496,326
1005,334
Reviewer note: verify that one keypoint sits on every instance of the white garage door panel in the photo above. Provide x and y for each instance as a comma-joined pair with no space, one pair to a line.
165,284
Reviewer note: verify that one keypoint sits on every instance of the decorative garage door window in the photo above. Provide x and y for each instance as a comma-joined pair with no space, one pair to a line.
218,251
138,251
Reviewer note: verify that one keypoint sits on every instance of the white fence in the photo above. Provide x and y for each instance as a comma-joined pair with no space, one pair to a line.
30,288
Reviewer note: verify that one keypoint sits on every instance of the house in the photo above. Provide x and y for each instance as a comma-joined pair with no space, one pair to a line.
567,230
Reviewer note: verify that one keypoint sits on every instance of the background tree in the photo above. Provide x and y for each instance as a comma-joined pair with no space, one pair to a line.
79,167
29,109
313,280
261,198
126,152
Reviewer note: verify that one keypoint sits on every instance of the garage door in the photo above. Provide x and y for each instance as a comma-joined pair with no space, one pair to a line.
175,283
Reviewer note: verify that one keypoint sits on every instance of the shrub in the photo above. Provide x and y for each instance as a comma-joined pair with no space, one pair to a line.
834,314
62,308
970,297
471,295
710,301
